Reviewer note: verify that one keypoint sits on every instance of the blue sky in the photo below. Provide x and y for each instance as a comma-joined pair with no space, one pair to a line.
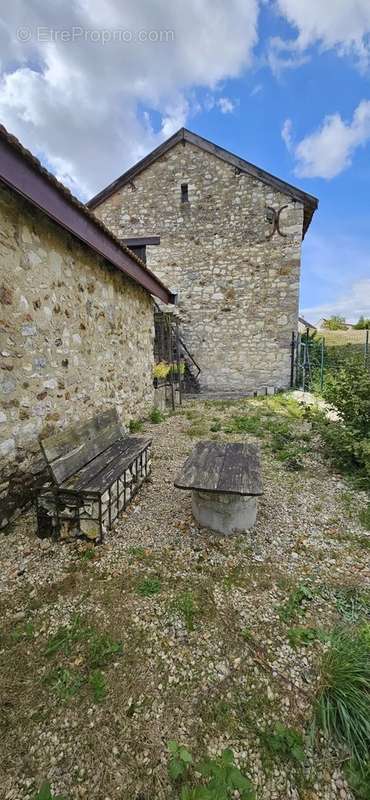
283,83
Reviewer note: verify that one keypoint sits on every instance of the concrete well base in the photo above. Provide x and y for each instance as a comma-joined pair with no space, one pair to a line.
224,513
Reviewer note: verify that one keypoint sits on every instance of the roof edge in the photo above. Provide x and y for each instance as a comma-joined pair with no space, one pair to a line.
309,201
22,172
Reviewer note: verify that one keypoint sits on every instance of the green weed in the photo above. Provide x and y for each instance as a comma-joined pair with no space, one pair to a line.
352,603
137,552
221,779
301,636
135,425
250,424
45,793
98,685
156,416
180,758
66,636
294,605
286,743
102,649
148,587
185,605
65,683
22,632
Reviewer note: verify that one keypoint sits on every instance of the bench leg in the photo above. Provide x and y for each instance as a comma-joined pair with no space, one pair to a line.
224,513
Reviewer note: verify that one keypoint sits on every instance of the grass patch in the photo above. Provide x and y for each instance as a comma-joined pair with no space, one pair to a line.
343,701
148,587
187,608
197,429
352,603
90,650
248,424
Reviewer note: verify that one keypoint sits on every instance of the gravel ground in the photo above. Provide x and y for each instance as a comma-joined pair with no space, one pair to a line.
218,675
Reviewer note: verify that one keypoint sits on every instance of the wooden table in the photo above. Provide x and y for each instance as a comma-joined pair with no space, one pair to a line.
225,480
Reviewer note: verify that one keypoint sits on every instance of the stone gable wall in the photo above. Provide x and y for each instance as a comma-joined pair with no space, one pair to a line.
238,292
76,336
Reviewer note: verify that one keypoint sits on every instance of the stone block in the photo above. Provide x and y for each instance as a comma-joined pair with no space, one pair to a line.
224,513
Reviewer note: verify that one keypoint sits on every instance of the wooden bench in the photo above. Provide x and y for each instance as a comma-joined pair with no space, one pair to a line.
95,469
225,480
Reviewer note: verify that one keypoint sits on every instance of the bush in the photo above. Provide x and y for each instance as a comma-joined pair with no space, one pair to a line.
349,391
156,416
343,701
347,440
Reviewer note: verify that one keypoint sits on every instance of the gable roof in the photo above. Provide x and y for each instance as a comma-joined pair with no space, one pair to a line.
26,176
183,135
304,322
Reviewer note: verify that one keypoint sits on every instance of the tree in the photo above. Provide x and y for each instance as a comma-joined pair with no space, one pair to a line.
362,323
336,323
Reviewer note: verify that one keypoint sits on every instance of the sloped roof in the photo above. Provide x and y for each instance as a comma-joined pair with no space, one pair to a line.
24,174
183,135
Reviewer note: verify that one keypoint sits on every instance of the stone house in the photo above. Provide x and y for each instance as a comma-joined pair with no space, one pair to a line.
230,246
76,319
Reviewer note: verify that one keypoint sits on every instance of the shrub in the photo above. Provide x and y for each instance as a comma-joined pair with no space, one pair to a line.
347,441
343,699
156,416
135,425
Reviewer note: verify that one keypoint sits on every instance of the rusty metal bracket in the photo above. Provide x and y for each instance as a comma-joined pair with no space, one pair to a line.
276,221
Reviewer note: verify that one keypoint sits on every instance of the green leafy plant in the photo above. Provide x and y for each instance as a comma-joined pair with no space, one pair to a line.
102,649
221,778
284,742
301,636
186,606
216,426
45,793
156,416
98,685
179,762
352,603
342,708
148,587
293,605
65,683
67,635
25,631
135,425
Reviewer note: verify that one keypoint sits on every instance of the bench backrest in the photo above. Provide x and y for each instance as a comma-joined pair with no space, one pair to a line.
66,452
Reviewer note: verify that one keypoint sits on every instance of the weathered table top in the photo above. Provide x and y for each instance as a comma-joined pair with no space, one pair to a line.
216,467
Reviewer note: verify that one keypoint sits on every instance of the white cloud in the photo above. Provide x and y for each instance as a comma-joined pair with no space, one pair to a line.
226,105
286,133
81,104
340,24
257,89
351,305
328,151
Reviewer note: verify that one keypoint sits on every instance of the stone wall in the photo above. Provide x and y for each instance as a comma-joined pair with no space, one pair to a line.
76,336
238,292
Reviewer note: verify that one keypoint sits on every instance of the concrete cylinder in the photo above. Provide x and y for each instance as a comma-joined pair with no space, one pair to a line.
224,513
